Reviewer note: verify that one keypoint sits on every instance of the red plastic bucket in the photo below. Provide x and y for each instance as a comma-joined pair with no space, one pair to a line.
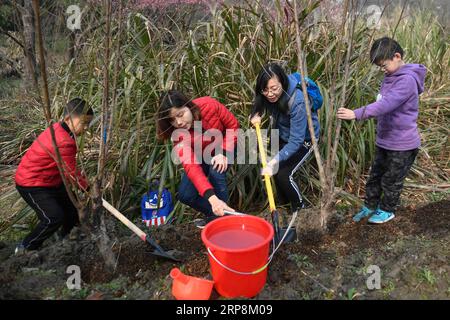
238,251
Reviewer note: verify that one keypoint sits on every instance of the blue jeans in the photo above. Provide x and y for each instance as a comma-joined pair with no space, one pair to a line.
188,194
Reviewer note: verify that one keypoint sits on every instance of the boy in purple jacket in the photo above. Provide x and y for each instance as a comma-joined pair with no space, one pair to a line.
398,139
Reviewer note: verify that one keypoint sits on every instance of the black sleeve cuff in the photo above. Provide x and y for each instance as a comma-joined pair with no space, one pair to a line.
208,194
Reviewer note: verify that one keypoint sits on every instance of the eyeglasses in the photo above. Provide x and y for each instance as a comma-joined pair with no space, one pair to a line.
383,66
273,90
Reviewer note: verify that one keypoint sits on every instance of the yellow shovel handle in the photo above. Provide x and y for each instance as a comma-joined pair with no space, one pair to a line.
262,152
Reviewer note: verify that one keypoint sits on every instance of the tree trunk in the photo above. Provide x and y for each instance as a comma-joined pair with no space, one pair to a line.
29,33
99,217
71,50
327,203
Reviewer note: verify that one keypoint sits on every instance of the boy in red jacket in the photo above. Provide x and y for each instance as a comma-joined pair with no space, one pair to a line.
39,182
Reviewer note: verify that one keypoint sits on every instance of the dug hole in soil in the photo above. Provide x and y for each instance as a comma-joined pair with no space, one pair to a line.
412,253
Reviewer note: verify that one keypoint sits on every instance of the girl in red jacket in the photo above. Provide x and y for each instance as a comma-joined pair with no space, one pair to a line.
39,182
190,125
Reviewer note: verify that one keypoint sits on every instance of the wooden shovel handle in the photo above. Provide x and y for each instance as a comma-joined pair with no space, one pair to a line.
124,220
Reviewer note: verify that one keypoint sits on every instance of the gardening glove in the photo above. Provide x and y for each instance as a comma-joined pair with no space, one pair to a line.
269,168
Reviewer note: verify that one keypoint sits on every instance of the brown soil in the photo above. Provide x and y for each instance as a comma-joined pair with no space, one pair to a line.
412,252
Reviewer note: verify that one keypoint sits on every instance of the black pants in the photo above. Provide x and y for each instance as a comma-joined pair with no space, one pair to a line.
387,175
54,210
287,188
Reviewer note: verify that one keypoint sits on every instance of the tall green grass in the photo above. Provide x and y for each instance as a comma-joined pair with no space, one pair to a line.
221,57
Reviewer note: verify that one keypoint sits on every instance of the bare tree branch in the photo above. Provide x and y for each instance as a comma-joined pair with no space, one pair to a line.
344,90
331,110
302,68
5,32
47,107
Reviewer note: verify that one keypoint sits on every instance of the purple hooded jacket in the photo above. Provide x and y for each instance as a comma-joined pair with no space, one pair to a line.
397,109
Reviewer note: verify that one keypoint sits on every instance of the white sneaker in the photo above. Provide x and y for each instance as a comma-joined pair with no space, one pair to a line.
20,250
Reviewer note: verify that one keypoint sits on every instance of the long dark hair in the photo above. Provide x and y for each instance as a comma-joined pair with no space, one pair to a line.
260,104
168,100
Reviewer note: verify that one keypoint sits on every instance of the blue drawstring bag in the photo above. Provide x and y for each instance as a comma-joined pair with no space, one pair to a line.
151,215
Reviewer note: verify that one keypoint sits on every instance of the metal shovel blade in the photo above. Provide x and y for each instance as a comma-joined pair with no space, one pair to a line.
276,227
160,251
141,234
164,255
291,235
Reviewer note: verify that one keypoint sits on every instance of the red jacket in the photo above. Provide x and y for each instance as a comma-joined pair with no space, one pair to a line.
38,166
214,115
